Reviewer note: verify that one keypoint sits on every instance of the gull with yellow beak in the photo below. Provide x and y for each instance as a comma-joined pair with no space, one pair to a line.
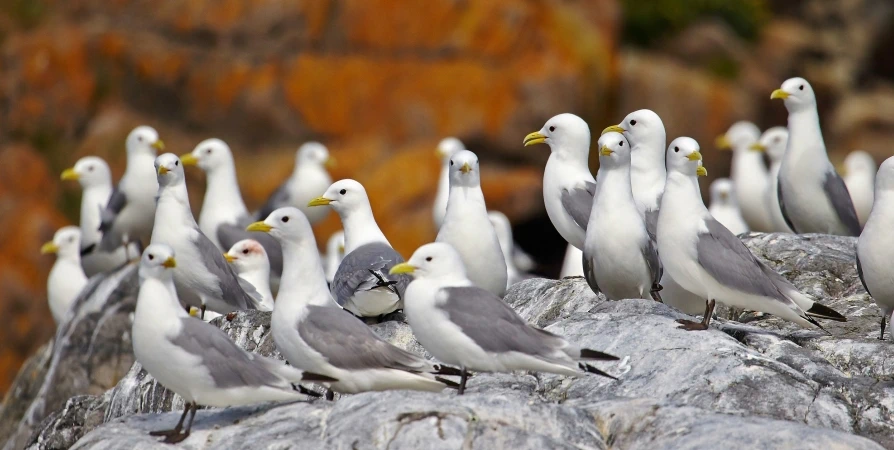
812,196
725,206
309,178
620,259
705,258
361,284
67,278
773,142
249,260
95,178
128,216
224,216
568,185
446,148
749,174
469,230
203,278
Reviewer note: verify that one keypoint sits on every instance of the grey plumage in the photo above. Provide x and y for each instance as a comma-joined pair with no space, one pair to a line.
230,234
232,291
347,343
651,218
366,268
860,273
836,191
107,218
785,217
578,202
650,254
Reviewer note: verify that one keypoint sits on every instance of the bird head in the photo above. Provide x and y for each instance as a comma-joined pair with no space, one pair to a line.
435,260
286,224
614,150
248,255
209,155
683,156
464,171
144,140
89,171
796,93
344,196
563,133
169,169
66,243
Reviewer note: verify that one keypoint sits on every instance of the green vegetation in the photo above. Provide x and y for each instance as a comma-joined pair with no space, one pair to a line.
25,13
647,22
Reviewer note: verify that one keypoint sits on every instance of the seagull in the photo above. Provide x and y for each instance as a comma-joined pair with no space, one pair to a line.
773,142
708,260
335,253
307,181
507,245
725,206
95,178
467,228
875,248
465,325
203,276
859,177
644,130
572,263
224,216
749,174
568,185
249,259
361,284
812,197
446,148
314,334
128,215
67,278
619,259
197,360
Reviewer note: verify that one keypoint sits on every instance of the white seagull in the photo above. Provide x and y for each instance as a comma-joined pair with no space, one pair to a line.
875,248
308,180
446,148
859,177
66,278
249,259
749,174
773,142
725,206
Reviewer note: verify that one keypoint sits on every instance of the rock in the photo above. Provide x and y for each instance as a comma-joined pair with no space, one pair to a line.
89,354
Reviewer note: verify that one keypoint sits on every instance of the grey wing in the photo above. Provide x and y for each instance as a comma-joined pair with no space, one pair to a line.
578,202
860,273
279,198
788,221
348,343
229,234
116,203
651,218
589,274
727,259
232,292
367,268
650,254
229,365
838,195
493,325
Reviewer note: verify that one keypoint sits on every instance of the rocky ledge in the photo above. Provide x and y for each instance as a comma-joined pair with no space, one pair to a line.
754,383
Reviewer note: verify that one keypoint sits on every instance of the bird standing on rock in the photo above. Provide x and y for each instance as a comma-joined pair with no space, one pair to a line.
66,278
773,142
875,248
749,174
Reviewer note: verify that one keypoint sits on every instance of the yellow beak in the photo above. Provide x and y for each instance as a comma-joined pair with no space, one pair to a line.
229,257
162,170
158,145
613,128
701,171
330,162
723,143
70,175
319,201
758,147
466,168
194,312
188,159
695,156
341,248
259,226
402,268
49,247
779,93
534,138
169,263
605,151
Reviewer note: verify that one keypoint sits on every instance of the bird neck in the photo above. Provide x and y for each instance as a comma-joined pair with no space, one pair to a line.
157,301
465,200
681,194
747,164
614,188
93,202
804,126
222,196
307,285
174,202
579,157
140,165
361,229
260,279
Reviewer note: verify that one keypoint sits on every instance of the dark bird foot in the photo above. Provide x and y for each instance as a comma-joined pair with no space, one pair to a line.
303,390
176,438
690,325
164,433
330,395
396,316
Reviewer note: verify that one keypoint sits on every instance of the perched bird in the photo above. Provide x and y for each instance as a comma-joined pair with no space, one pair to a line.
249,259
859,177
773,142
725,206
197,360
465,325
620,259
749,174
95,178
875,248
335,252
204,276
812,197
644,131
467,228
708,260
307,181
66,278
361,284
568,185
129,214
572,263
314,334
224,216
446,148
504,235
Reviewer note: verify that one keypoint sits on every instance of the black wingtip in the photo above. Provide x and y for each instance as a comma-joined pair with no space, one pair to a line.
447,370
586,353
448,383
590,369
821,311
88,249
303,390
310,376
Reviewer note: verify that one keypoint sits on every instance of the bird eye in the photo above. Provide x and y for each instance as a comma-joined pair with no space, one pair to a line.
551,129
89,168
776,140
633,123
285,219
428,259
621,143
140,138
245,252
676,149
451,162
208,151
343,191
151,257
801,87
176,163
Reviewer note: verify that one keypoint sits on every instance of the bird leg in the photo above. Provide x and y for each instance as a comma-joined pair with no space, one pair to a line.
176,429
330,395
881,335
203,311
656,292
462,380
689,325
180,437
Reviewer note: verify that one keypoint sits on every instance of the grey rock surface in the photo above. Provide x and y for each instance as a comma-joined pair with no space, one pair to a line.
756,385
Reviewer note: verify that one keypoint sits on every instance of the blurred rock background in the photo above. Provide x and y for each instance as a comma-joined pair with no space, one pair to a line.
380,82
